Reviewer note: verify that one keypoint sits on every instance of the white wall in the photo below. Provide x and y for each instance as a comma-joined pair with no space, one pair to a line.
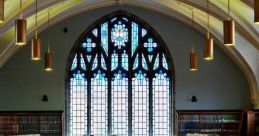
218,84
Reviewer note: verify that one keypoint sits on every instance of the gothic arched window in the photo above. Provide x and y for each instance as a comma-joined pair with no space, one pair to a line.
119,80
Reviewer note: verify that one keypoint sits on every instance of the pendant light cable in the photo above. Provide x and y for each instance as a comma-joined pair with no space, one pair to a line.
193,30
228,10
48,32
20,9
36,20
208,19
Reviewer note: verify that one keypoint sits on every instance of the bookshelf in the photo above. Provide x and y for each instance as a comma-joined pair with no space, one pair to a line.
21,123
252,123
221,122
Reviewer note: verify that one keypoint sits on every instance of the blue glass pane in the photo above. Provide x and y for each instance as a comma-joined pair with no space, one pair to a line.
165,64
79,75
140,75
114,61
89,57
144,63
94,66
150,45
119,35
156,62
113,19
124,18
103,63
104,37
135,64
95,32
99,75
74,63
124,60
134,38
144,32
88,45
150,57
82,62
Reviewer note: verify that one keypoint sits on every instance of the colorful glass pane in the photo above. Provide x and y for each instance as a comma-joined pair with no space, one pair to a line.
150,45
82,62
143,32
135,64
95,63
88,45
89,57
103,63
119,35
156,62
74,63
164,62
144,63
150,57
115,18
124,18
134,38
95,32
104,37
114,61
124,59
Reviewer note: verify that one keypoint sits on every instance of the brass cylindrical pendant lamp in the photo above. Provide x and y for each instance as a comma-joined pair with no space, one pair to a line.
20,32
48,61
208,43
20,29
208,48
1,11
48,55
193,54
256,11
35,44
193,61
35,49
229,30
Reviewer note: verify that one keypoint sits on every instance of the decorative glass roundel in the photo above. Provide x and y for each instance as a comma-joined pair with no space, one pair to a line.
119,81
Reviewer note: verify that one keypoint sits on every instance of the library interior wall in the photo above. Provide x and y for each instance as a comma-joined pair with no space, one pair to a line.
218,84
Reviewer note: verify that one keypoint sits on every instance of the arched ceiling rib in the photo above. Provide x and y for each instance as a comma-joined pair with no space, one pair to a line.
245,53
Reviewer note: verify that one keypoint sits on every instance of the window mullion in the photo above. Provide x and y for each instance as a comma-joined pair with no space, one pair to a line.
89,106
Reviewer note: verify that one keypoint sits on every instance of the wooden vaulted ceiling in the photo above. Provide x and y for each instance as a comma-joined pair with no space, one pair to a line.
245,53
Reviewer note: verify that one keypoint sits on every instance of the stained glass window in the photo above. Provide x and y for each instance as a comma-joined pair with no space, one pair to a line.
120,81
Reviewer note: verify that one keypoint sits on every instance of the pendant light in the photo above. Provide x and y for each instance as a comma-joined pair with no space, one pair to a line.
48,55
256,11
20,29
229,29
1,11
35,43
208,43
193,54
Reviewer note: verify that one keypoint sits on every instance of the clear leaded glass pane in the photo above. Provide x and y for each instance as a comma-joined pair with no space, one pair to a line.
161,105
78,105
99,105
140,106
120,105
